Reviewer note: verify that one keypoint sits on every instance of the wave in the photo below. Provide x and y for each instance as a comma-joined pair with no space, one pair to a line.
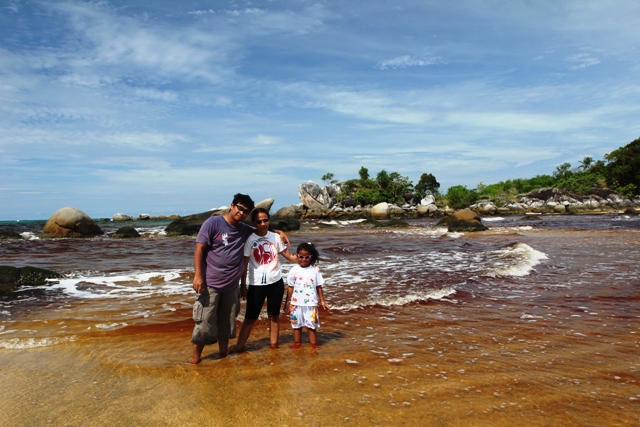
434,294
134,285
24,343
517,260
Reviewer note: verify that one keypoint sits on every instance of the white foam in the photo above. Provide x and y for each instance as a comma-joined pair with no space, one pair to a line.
435,294
491,219
22,343
135,285
27,235
516,260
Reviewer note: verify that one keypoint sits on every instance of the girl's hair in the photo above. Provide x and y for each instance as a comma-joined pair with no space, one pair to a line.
308,246
256,211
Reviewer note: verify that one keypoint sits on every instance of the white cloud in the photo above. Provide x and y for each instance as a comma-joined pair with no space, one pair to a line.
582,60
406,61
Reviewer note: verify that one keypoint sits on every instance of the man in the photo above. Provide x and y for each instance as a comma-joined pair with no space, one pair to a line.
218,261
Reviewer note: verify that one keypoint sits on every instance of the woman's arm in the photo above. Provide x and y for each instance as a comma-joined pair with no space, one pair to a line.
283,237
288,255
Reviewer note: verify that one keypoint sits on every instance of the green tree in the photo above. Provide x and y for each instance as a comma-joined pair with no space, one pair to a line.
364,173
623,168
328,178
562,172
459,196
586,163
426,185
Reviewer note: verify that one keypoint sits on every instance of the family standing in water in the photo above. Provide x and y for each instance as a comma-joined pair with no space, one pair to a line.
229,251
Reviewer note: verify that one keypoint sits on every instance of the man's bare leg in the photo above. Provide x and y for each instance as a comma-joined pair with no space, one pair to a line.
197,354
243,336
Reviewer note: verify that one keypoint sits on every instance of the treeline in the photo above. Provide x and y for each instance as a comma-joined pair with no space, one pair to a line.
619,171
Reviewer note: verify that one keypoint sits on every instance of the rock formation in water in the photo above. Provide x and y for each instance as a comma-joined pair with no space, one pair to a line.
70,222
13,278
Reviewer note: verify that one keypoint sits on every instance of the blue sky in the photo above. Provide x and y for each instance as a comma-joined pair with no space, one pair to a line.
166,107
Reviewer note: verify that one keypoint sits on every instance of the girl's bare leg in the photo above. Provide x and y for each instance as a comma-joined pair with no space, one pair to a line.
297,338
313,338
274,330
223,346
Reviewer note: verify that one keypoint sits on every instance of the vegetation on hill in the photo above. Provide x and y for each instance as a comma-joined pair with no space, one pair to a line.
619,171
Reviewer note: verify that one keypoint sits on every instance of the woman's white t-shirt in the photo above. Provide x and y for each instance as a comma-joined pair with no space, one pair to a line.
264,267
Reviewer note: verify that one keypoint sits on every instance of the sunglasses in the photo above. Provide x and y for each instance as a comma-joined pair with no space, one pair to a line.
304,256
243,209
262,221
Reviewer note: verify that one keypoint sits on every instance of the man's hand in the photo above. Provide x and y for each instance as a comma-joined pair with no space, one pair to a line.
198,284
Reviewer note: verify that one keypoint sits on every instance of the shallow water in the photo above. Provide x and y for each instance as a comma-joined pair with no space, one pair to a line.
531,322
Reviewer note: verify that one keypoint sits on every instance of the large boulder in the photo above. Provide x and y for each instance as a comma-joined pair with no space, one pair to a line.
12,278
70,222
190,224
126,232
380,211
122,217
313,197
465,220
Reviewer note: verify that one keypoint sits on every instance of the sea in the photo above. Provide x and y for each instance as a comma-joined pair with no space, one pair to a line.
532,323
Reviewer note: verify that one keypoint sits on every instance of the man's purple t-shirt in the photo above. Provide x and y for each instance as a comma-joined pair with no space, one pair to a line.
224,254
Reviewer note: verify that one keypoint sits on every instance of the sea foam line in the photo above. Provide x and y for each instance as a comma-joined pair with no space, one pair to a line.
22,343
525,256
435,294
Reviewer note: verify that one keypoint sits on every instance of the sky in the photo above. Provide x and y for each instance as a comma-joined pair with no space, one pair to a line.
165,107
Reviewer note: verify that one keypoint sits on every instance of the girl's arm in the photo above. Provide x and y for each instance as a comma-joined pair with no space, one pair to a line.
287,300
321,298
288,255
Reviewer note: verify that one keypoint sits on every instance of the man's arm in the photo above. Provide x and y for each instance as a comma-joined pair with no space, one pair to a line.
198,260
243,282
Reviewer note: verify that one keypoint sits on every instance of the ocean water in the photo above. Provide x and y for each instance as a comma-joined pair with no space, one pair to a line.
530,322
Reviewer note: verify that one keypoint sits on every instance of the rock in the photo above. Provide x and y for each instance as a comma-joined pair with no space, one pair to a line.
126,232
122,217
381,210
12,278
70,222
9,235
531,218
287,212
285,224
428,200
144,217
188,225
631,211
465,220
312,196
484,207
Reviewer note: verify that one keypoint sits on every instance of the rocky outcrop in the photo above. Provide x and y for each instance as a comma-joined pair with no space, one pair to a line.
190,225
70,222
465,220
122,217
556,200
10,235
126,232
13,278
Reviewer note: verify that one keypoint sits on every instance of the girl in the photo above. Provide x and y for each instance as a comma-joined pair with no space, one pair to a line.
265,278
304,292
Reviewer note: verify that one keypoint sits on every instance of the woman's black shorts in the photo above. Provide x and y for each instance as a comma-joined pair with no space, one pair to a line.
256,295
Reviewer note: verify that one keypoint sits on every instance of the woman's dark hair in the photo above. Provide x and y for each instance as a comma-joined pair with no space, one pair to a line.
308,246
244,200
256,211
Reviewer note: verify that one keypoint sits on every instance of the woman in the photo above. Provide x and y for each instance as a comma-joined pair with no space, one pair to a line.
263,269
